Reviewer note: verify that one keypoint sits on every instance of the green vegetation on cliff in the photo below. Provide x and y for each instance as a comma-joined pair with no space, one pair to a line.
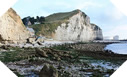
45,29
52,22
59,17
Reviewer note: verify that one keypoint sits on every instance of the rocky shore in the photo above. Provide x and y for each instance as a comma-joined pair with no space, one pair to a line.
36,52
66,60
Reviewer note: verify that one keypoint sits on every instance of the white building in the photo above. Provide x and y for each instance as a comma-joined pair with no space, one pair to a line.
111,37
116,37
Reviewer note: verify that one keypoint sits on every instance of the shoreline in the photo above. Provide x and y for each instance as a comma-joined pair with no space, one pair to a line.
76,59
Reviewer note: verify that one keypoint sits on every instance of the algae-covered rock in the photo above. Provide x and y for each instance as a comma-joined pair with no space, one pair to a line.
48,71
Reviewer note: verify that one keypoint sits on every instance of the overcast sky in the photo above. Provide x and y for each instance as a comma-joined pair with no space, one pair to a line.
101,12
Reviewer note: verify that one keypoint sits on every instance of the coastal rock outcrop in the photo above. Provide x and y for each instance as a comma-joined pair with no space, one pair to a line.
12,29
78,28
69,26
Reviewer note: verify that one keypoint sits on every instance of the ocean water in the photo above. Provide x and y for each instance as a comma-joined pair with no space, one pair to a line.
120,48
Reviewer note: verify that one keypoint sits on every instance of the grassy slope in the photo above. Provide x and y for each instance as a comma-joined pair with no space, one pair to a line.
52,22
58,17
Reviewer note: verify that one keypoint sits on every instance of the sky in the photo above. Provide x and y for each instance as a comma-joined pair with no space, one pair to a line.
101,12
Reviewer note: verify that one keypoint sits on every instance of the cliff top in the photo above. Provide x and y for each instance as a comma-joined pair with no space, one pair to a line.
54,20
11,28
62,16
14,16
95,26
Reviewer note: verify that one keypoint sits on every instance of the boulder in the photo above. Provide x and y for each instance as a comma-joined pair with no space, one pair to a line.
34,40
48,71
39,43
31,40
41,52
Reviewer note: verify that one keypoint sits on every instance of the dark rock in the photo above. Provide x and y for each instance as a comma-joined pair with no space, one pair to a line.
48,71
58,59
41,52
4,47
39,39
39,43
31,40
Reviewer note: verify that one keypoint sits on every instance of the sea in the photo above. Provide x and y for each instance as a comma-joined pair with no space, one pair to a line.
119,48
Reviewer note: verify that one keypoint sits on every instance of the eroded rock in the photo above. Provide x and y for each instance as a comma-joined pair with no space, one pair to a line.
12,28
41,52
48,71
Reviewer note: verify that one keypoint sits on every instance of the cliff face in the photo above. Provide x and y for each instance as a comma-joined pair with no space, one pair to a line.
97,32
11,28
78,28
69,26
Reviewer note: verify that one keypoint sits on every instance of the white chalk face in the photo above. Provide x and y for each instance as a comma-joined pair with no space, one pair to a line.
121,5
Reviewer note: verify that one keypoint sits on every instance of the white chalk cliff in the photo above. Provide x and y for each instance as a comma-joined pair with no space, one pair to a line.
78,28
11,28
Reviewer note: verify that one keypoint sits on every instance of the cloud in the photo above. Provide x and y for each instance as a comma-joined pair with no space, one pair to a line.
118,30
115,23
52,6
121,5
114,14
86,5
101,12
